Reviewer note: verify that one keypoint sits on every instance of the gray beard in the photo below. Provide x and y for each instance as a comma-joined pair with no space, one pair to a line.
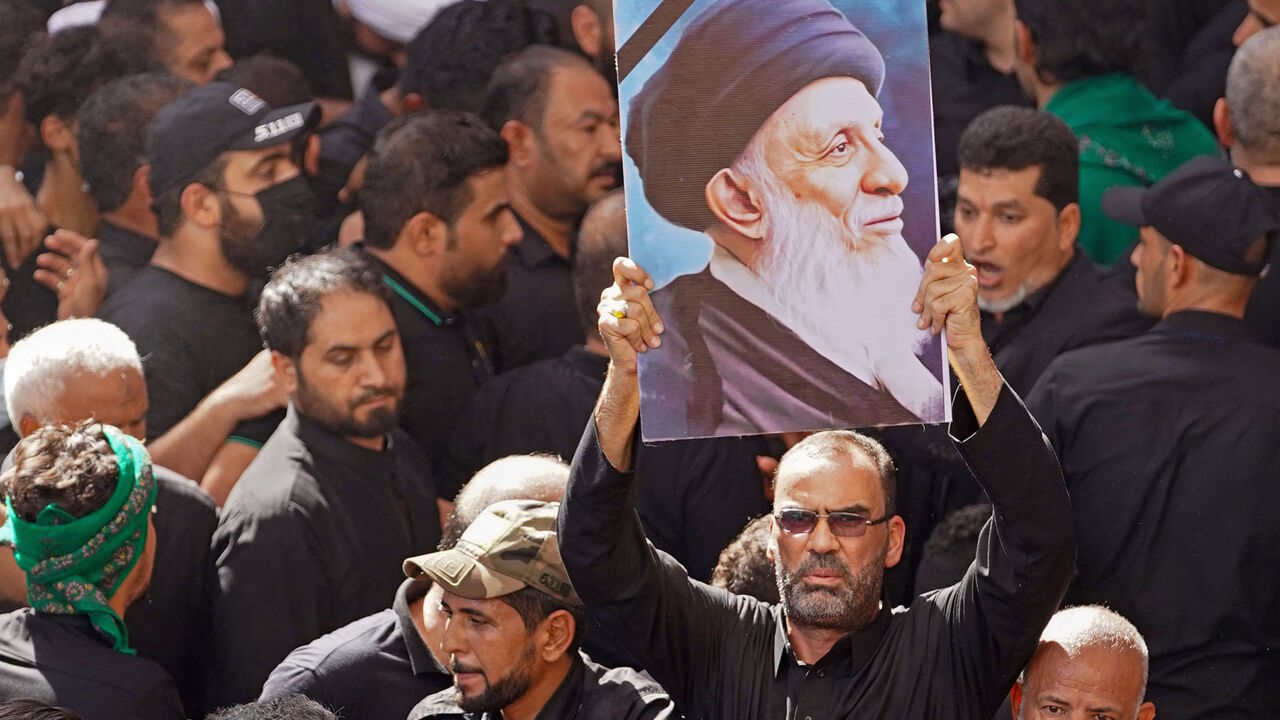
845,608
1007,304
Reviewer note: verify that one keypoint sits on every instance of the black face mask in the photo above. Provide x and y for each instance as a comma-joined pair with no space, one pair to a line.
287,210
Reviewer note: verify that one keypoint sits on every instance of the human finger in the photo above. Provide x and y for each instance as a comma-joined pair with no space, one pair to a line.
626,271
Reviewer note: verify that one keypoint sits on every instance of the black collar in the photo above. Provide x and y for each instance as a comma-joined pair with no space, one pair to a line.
533,249
1204,325
857,646
420,657
325,444
408,292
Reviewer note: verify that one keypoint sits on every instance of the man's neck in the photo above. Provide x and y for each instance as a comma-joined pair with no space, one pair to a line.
1001,51
1044,93
62,198
1229,306
197,259
401,258
556,231
1261,173
535,698
138,221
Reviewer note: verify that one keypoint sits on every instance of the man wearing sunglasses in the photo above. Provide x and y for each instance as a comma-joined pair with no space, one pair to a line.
831,648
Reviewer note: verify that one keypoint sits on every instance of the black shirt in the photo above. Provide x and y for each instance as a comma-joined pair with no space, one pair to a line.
124,252
347,139
1085,305
28,304
448,359
953,654
1263,313
588,692
191,339
536,318
312,538
63,660
376,668
694,497
1170,444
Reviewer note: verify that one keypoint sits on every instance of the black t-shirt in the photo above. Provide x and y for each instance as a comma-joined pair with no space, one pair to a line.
124,252
191,339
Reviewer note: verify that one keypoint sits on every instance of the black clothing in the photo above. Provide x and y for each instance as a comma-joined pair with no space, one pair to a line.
589,692
1170,443
348,139
1263,313
536,318
27,305
124,252
191,339
1191,48
63,660
311,539
375,668
750,373
952,654
448,359
964,86
1085,305
307,33
694,496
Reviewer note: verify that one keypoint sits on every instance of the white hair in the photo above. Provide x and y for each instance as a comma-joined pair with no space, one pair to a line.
1087,627
39,365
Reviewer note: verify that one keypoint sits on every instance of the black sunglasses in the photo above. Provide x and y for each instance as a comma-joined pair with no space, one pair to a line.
842,524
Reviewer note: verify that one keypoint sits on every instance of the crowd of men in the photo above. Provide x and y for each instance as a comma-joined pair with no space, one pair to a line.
320,348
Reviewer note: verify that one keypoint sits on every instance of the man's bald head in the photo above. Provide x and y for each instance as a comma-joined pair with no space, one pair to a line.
1253,97
517,477
601,238
1090,661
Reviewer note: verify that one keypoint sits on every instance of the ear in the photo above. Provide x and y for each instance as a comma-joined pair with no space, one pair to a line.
1177,266
521,142
1023,45
27,425
1068,226
1015,698
200,205
56,134
425,235
140,188
311,156
897,540
414,102
1222,123
287,370
772,551
1146,711
588,30
730,198
558,628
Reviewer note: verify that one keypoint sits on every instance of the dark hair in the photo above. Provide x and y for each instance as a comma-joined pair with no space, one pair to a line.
1077,39
420,163
72,467
289,707
1016,138
145,16
518,89
291,300
20,26
832,444
744,567
168,204
601,239
951,547
451,59
26,709
62,70
276,80
113,132
535,606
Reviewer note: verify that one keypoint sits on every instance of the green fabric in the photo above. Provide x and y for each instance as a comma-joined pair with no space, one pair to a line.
74,565
1127,137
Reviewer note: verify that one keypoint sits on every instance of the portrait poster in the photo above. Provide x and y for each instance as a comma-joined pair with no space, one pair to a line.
780,190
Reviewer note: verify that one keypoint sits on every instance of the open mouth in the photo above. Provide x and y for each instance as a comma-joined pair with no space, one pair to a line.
989,275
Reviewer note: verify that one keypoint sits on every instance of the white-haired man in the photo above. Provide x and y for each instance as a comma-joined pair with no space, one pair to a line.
74,370
1091,663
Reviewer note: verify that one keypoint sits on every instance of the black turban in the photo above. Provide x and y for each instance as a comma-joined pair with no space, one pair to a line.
733,67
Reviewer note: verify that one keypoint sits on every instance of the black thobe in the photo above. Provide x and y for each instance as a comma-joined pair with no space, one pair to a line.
27,304
376,668
738,371
63,660
1263,313
694,496
951,654
311,539
347,139
191,339
448,359
588,692
124,252
536,318
1170,444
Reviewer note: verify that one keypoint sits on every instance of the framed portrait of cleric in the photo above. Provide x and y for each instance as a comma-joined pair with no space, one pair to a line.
780,191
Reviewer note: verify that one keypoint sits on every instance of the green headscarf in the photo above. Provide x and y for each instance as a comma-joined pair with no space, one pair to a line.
74,565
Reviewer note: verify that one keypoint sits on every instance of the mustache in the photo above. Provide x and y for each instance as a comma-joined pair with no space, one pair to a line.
815,561
376,393
612,169
889,207
456,667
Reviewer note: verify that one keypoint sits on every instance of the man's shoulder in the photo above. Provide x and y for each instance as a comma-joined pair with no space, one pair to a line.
621,683
183,494
80,656
1093,304
440,705
326,659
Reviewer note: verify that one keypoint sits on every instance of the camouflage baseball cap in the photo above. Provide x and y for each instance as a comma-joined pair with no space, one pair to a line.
510,546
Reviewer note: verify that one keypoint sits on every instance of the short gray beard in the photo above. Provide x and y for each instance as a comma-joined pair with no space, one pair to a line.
849,607
1006,304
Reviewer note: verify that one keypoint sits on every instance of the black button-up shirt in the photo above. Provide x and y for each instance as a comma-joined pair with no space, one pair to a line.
311,539
952,654
536,318
694,496
448,359
376,668
64,661
124,252
1170,444
588,692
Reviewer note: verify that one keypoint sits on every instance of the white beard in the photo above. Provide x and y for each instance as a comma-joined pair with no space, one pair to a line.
997,307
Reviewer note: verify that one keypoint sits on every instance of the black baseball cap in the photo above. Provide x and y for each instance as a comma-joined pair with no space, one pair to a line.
1206,206
206,121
